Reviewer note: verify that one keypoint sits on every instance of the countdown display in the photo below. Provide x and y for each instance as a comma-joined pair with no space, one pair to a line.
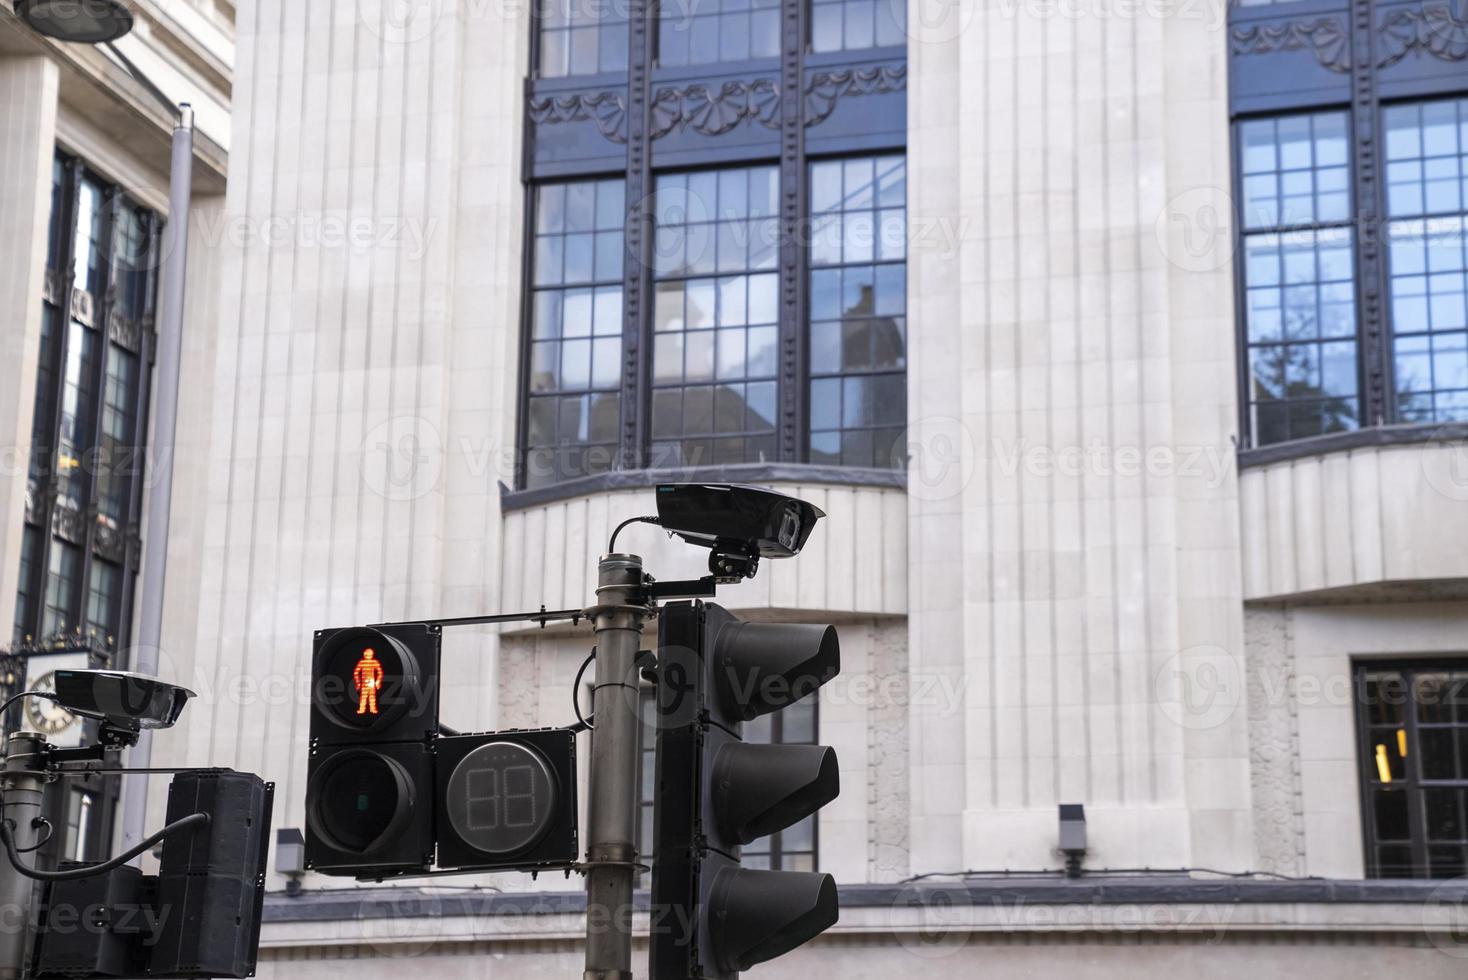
507,799
501,798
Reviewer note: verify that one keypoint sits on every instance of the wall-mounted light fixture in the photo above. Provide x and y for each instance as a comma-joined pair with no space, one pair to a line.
290,857
82,21
1073,837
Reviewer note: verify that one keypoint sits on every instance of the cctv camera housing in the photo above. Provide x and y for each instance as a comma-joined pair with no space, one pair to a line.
731,518
122,699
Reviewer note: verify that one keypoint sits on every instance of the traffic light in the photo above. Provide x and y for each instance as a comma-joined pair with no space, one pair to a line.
212,880
715,793
198,917
374,714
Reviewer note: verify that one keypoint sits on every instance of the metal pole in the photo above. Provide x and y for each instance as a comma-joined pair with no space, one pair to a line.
22,783
611,856
165,422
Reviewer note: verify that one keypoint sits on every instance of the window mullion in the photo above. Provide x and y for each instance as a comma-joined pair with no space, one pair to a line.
1367,186
1416,816
792,386
636,399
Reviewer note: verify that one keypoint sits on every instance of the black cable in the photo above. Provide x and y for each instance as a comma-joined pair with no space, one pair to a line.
38,822
1096,872
27,694
92,870
612,545
576,687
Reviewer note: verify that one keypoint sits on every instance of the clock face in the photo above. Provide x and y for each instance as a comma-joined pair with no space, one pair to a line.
47,717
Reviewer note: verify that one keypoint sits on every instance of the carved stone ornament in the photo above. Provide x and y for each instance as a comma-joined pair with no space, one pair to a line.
827,88
607,109
699,108
1326,37
1438,29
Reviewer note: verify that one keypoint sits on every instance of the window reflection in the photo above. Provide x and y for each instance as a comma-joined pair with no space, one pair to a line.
858,305
1299,277
851,25
1427,257
704,32
715,318
576,331
582,37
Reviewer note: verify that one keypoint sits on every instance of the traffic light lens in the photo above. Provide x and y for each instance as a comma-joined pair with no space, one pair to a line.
360,676
361,799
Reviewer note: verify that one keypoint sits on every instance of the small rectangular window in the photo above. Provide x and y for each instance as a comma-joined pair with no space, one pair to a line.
1427,257
705,32
582,37
852,25
103,592
1299,309
1298,268
30,546
858,307
574,384
117,461
716,315
63,583
1413,728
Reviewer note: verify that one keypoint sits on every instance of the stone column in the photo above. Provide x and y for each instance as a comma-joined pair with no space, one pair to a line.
27,147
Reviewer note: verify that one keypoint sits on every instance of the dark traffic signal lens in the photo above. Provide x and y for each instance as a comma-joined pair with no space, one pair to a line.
362,800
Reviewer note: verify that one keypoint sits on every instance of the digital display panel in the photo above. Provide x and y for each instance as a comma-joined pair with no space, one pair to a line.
501,798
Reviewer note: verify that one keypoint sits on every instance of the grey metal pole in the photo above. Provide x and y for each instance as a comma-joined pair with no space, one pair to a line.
165,422
611,856
22,782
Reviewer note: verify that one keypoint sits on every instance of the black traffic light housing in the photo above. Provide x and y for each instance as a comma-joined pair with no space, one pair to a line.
507,799
712,918
369,808
374,714
198,917
402,707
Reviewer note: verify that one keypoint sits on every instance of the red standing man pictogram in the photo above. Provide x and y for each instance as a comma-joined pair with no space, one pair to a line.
367,679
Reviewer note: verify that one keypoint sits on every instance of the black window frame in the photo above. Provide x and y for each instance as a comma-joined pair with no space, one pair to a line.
1273,77
114,331
654,120
1406,771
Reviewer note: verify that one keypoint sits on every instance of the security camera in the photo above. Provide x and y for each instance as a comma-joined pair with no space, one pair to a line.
738,524
123,700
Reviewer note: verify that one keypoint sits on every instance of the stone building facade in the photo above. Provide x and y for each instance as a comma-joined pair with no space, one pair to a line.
1108,521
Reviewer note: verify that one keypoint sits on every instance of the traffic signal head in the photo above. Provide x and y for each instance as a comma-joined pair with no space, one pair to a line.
716,793
374,712
375,684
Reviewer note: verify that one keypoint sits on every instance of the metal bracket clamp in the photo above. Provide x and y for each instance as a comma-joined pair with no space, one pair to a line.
613,856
